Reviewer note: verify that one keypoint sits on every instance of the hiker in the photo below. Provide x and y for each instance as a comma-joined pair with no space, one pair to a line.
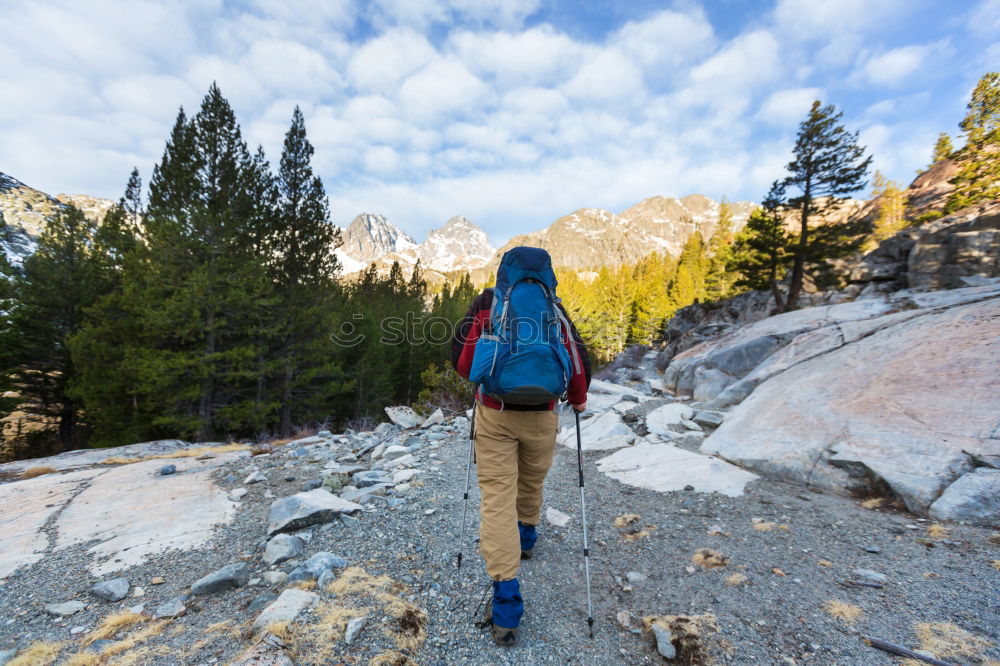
518,345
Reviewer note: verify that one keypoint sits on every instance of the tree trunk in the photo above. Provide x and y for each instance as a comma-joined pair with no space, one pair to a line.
207,384
798,268
286,399
776,291
67,424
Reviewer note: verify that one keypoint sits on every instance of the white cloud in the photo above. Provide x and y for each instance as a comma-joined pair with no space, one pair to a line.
442,88
892,67
786,108
667,40
607,77
380,64
985,19
533,57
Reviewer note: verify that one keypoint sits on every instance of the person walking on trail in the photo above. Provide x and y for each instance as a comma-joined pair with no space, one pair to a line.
517,344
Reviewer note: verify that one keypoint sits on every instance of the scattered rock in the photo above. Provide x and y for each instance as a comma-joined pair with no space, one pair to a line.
115,589
624,619
974,499
664,468
870,576
170,609
312,485
167,470
660,420
556,517
256,476
708,419
436,417
403,476
394,451
261,602
305,509
7,655
371,478
403,416
325,579
275,577
226,578
283,547
314,567
664,641
65,609
634,577
268,651
236,494
355,625
598,433
286,608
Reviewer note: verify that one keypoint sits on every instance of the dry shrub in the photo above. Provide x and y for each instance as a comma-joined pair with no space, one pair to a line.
825,563
706,558
627,519
691,634
996,564
37,654
83,659
112,624
937,531
763,525
994,538
635,533
874,503
391,658
715,530
736,579
132,641
304,585
948,640
841,610
40,470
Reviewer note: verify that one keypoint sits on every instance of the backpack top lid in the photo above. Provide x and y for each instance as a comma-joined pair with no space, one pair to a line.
524,262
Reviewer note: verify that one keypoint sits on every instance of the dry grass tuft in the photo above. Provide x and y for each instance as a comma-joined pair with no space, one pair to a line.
706,558
132,641
626,519
825,563
280,629
304,585
391,658
193,452
948,640
83,659
636,533
715,530
690,634
763,525
841,610
937,531
874,503
994,538
736,579
996,564
40,470
37,654
112,624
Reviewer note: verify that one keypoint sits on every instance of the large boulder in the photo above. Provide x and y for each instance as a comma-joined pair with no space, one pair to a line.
968,247
301,510
599,433
974,498
904,401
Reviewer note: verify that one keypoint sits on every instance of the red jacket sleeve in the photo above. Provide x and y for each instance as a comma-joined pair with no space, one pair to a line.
463,344
579,383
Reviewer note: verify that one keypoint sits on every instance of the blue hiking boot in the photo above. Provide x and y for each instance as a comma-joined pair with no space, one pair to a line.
528,538
504,614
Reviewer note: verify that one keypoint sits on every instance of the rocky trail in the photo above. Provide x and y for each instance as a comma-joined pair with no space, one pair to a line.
361,565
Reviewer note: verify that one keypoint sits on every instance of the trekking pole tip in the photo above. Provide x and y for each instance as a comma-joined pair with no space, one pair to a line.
590,626
458,565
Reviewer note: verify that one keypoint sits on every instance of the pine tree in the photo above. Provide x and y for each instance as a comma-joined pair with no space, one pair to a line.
58,283
303,266
718,281
942,148
687,285
760,253
892,203
828,165
978,177
7,335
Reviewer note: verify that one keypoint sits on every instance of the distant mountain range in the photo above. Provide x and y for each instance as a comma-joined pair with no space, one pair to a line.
585,239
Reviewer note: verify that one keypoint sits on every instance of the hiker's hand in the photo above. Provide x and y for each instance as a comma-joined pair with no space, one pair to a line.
582,406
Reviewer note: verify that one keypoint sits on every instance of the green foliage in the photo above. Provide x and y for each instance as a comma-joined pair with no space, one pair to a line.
719,282
892,207
978,177
760,255
942,148
443,388
828,164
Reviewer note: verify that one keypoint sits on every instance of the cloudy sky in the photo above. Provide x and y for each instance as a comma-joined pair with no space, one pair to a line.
510,112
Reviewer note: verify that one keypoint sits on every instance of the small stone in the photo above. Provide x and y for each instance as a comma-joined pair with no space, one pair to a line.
226,578
624,619
73,632
314,567
689,569
256,476
65,609
283,547
404,416
7,655
138,609
325,579
354,627
403,476
304,509
689,487
873,549
157,580
115,589
556,517
664,641
870,576
371,478
171,608
138,592
288,606
275,577
436,418
635,577
708,419
393,452
167,470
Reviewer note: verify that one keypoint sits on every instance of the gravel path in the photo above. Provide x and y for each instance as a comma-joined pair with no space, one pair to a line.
791,548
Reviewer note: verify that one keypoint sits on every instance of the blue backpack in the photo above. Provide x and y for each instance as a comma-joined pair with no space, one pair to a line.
522,358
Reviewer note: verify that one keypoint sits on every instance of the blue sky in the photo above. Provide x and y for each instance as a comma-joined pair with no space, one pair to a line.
510,112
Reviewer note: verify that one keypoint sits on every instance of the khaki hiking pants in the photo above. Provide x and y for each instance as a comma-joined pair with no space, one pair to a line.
513,455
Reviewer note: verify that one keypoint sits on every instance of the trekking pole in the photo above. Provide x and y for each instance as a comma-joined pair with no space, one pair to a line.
468,480
583,516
